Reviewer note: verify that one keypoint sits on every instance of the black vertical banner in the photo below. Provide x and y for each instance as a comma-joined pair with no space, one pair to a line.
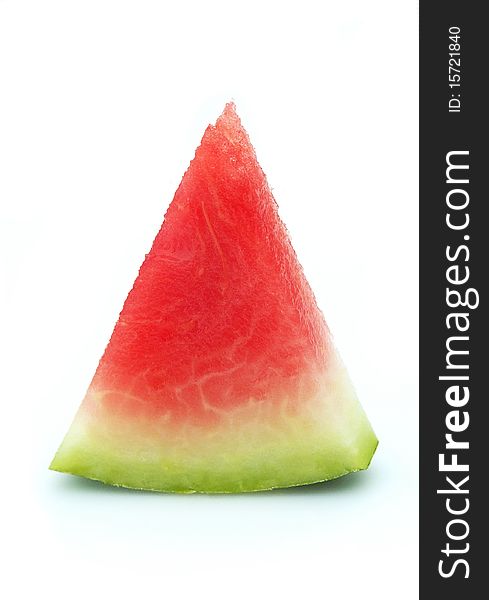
454,253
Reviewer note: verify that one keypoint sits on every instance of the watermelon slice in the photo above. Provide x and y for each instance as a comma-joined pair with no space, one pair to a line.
221,374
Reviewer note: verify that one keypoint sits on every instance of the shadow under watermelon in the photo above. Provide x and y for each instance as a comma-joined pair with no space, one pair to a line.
352,482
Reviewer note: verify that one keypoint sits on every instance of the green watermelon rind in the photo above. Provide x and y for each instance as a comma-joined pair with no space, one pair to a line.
125,475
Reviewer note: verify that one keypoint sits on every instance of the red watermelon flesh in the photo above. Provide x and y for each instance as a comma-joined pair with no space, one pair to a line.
221,374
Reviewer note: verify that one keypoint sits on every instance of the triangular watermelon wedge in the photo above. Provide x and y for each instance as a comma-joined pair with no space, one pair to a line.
221,374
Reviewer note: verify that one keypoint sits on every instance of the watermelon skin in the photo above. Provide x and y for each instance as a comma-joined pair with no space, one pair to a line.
221,374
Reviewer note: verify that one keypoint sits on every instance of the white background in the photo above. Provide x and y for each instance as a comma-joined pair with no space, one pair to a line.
102,104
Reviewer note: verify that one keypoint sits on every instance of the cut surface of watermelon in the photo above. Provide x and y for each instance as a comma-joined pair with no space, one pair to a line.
221,374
